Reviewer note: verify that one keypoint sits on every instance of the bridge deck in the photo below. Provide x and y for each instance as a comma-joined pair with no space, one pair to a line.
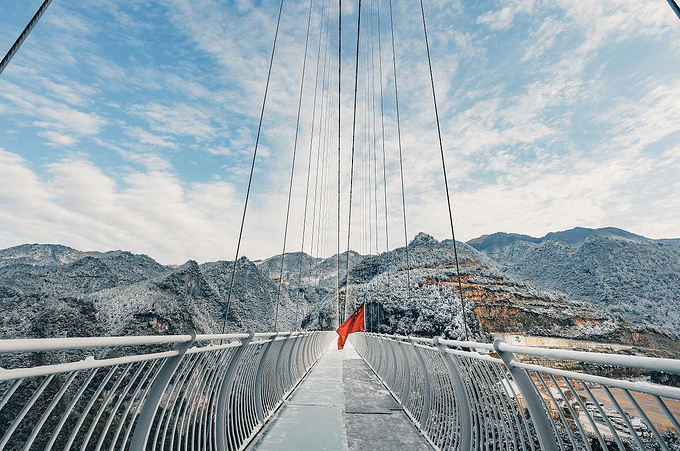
340,405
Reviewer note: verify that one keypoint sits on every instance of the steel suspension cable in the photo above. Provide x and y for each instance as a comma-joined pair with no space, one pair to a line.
374,135
446,182
22,37
322,141
374,198
311,142
327,170
337,260
322,188
401,160
292,166
674,6
363,146
374,158
351,171
382,139
252,166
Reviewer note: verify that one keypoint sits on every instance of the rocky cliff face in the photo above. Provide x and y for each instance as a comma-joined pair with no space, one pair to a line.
425,299
41,255
49,291
56,291
632,277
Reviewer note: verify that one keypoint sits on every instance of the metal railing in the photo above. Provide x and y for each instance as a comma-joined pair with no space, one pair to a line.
178,392
466,395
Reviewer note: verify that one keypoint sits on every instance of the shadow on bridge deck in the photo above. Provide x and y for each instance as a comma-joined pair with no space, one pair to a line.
340,405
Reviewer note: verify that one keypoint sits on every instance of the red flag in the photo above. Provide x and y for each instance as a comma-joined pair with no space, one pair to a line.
354,323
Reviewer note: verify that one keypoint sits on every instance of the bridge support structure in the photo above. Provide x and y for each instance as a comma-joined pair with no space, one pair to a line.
473,396
207,392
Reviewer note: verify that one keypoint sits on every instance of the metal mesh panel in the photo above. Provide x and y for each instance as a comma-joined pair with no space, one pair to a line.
207,393
462,398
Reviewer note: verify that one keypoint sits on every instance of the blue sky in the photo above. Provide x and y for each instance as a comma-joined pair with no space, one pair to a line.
131,124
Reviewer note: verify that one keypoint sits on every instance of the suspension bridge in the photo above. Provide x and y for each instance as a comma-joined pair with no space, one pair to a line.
294,390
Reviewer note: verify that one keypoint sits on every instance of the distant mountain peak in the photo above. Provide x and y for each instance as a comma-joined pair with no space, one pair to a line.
574,237
578,235
423,239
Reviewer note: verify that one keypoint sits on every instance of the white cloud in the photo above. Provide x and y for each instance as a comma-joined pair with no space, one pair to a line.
537,137
58,138
149,160
50,114
176,119
153,212
145,137
503,18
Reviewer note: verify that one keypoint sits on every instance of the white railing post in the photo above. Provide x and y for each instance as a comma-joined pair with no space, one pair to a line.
427,400
146,417
406,394
259,411
544,430
225,391
464,412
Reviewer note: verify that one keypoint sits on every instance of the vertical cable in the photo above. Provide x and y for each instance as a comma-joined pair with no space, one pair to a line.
24,34
337,259
351,170
309,159
374,158
292,167
446,182
401,160
675,7
252,167
382,140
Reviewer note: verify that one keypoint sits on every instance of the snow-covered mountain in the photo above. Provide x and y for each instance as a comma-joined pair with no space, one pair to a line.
51,290
609,269
424,300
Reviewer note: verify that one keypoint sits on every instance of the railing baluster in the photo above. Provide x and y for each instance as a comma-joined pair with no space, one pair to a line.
121,398
624,418
219,396
649,423
110,395
24,411
145,419
574,414
560,412
69,408
546,435
224,392
9,392
461,396
259,411
604,415
589,417
669,415
48,411
425,411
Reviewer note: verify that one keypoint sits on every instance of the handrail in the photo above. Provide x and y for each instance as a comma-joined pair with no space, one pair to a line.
461,396
197,393
61,344
629,361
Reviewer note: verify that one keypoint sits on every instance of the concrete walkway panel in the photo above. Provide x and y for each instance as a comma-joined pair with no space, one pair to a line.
340,405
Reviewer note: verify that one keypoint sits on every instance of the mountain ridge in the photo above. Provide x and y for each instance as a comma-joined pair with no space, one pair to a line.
574,237
118,292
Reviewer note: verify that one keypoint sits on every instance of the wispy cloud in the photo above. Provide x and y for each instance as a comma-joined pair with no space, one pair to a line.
134,123
79,205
